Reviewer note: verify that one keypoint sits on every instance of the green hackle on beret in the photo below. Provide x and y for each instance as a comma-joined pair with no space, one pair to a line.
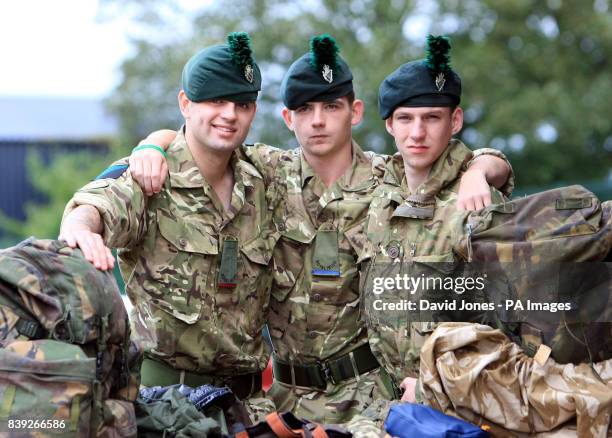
240,49
438,54
323,51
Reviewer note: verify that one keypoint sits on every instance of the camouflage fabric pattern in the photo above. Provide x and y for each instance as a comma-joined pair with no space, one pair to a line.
404,228
66,294
49,283
477,373
314,318
370,422
337,404
565,224
536,237
170,253
22,363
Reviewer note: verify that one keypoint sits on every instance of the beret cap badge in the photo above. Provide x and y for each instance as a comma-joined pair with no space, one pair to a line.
440,81
328,73
248,73
323,56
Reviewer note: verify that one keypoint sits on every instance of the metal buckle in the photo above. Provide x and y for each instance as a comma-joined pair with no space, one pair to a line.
327,372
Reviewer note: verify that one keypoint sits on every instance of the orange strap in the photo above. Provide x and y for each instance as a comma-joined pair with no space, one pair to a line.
242,434
279,427
319,432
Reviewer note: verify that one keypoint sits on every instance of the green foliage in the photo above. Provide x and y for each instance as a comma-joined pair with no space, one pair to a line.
57,182
537,84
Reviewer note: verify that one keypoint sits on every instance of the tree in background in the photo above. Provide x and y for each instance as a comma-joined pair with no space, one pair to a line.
537,80
538,83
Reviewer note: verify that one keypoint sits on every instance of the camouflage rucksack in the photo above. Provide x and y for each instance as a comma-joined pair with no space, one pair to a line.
67,365
534,243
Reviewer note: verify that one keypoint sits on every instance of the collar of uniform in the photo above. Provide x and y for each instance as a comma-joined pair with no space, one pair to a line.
306,171
353,178
394,171
445,171
181,166
185,173
447,168
244,170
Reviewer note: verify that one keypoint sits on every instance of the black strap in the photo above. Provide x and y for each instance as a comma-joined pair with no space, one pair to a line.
26,324
316,375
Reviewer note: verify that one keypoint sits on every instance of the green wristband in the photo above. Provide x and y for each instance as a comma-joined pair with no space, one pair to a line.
149,146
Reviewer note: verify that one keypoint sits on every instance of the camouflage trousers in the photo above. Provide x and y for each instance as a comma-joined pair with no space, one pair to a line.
337,403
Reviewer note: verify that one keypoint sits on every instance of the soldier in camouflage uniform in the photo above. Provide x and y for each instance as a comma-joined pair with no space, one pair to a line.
411,221
195,257
408,217
319,193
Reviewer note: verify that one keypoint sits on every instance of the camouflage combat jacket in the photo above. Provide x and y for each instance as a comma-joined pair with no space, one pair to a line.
313,317
403,228
171,253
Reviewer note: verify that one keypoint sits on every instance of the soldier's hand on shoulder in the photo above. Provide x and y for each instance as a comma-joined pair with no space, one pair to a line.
149,169
92,246
474,191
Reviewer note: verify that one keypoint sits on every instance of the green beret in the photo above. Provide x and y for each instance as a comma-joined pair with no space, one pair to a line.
319,75
225,71
427,82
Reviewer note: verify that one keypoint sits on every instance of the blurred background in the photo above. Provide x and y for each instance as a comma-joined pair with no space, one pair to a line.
82,81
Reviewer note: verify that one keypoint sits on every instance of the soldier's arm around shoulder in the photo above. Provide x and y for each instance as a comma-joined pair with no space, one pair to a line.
120,205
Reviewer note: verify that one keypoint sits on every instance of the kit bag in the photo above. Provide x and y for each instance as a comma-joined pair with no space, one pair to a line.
67,364
553,246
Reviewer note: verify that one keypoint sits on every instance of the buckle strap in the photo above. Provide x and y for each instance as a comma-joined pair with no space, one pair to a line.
154,373
292,427
279,427
351,365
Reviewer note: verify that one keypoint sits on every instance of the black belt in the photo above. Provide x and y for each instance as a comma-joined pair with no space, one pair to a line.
357,362
154,373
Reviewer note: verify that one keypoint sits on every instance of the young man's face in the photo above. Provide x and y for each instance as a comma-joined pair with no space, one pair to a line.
217,124
324,128
422,134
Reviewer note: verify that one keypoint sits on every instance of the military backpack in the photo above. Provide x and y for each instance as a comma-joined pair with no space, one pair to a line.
67,365
556,245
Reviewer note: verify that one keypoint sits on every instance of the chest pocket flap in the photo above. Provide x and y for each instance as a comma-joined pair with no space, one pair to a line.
258,250
188,236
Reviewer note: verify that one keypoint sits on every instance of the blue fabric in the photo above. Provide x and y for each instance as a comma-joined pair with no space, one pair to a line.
113,172
413,420
326,273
